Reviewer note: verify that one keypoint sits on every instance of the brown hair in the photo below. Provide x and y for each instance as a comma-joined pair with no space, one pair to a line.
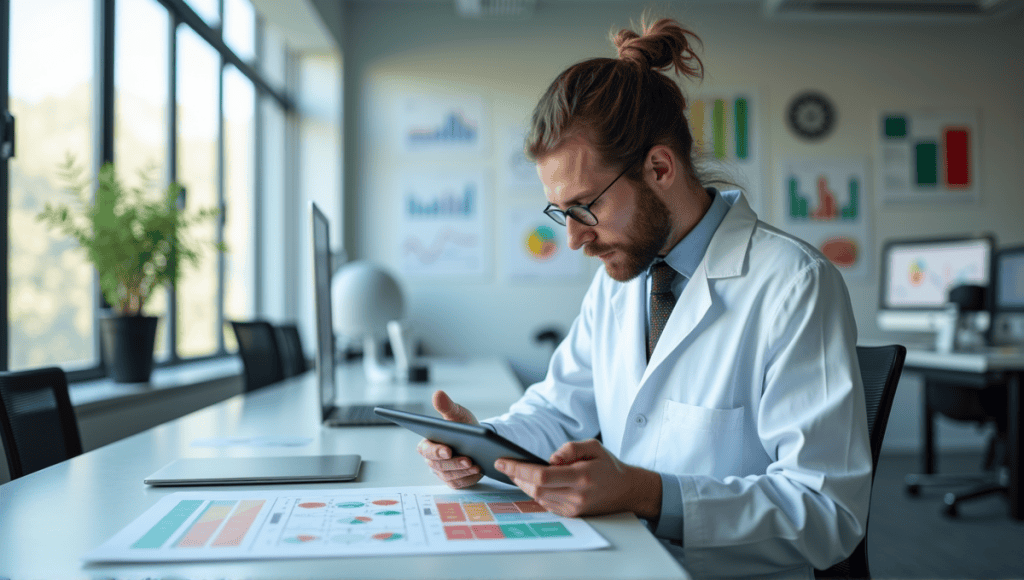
624,106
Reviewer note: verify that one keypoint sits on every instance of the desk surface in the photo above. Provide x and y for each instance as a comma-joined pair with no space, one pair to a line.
51,518
991,359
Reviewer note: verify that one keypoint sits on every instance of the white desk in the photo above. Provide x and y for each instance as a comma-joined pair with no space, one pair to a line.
51,518
979,369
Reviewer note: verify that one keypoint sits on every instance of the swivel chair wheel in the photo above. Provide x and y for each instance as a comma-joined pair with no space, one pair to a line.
950,510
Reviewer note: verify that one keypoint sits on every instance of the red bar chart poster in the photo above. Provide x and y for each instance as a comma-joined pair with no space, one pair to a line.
824,202
240,525
928,156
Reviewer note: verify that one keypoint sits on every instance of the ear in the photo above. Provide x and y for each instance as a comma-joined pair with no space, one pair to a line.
661,163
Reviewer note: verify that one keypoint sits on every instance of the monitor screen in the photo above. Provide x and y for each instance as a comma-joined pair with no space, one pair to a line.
322,299
918,274
1010,280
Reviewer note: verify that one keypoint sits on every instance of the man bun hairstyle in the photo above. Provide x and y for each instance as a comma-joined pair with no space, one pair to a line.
623,106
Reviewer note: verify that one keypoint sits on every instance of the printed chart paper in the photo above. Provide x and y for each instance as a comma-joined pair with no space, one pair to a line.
246,525
823,203
441,224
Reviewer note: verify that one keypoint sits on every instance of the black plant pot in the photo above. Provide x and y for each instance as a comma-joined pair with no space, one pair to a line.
128,347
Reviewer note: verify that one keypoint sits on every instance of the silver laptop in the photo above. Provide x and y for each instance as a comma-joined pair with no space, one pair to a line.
335,415
249,470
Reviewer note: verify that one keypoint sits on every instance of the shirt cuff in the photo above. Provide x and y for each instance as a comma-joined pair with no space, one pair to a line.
670,524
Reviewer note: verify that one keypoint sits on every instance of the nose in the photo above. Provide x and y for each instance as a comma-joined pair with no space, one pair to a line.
577,233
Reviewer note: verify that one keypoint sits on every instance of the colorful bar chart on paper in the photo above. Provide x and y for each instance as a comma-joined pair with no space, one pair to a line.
722,126
370,521
928,156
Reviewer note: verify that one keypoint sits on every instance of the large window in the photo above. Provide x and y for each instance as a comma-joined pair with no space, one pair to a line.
74,88
50,293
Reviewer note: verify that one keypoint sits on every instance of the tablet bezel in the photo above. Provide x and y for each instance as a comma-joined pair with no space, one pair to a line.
478,443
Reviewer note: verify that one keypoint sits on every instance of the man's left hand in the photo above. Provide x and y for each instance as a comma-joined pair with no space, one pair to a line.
585,479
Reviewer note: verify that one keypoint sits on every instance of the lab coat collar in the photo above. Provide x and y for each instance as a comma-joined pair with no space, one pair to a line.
727,253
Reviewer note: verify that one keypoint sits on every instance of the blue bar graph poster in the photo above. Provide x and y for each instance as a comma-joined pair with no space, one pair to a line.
443,124
823,202
442,224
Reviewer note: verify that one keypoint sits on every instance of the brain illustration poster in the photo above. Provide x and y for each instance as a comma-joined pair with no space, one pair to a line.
823,202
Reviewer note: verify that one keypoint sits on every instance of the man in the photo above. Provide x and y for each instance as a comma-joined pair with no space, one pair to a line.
714,356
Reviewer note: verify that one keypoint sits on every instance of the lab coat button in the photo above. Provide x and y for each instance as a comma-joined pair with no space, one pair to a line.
641,420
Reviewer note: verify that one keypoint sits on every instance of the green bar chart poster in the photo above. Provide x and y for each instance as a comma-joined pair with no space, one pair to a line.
823,202
724,124
928,156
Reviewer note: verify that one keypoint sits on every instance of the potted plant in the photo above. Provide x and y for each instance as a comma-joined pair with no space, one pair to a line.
137,239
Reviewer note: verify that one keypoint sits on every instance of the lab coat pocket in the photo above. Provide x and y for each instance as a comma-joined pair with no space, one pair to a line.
700,441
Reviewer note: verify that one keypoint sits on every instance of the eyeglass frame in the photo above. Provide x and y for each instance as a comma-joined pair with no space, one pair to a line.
558,215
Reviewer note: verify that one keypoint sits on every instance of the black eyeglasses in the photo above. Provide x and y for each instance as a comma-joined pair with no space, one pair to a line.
580,212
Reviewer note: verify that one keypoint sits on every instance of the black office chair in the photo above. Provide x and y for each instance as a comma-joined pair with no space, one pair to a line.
293,358
880,369
261,357
37,422
981,404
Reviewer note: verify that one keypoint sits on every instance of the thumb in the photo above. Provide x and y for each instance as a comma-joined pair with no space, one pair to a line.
451,410
574,451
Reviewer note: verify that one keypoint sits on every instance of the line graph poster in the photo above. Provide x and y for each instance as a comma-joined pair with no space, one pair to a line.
536,247
823,203
928,156
443,124
239,525
442,229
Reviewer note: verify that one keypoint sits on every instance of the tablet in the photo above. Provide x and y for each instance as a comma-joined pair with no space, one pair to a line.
478,443
254,470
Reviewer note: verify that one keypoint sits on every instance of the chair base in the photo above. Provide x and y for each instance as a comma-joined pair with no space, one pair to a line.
983,485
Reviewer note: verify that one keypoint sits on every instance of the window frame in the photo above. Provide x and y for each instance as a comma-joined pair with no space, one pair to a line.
179,14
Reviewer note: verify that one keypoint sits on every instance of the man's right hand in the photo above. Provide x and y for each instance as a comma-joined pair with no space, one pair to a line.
457,472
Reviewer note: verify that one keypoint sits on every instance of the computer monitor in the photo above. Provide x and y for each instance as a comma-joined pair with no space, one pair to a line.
918,274
1008,325
320,234
1010,280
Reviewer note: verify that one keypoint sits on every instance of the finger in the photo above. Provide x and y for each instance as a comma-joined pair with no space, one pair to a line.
450,464
539,475
465,481
435,451
576,451
451,410
457,474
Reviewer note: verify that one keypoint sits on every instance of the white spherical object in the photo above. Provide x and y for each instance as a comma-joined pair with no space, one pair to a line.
365,298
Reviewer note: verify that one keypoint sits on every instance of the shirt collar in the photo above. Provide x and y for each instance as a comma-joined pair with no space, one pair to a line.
686,256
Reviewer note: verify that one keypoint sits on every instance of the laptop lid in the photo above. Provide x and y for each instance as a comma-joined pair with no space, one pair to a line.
250,470
321,246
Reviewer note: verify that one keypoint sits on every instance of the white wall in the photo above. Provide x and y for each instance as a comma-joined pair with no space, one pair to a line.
394,48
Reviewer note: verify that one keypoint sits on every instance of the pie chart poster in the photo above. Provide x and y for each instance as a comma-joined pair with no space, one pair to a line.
825,203
535,248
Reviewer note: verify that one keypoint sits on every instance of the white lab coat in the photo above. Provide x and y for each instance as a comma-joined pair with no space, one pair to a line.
752,405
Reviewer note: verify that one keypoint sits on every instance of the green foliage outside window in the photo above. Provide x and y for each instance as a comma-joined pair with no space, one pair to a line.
137,238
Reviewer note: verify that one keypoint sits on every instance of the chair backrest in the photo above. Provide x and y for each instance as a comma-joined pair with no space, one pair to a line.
37,422
293,358
261,357
880,370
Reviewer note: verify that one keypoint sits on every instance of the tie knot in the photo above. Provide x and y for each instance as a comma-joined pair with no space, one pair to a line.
661,278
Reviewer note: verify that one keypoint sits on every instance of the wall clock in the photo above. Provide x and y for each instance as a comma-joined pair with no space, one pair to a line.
811,115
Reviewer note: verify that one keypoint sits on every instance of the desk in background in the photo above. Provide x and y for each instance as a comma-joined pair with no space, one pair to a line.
53,517
979,370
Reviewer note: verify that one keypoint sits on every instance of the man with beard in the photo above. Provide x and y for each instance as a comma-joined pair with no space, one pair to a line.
709,383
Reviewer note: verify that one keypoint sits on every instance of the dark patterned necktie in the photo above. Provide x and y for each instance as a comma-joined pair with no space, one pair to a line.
662,301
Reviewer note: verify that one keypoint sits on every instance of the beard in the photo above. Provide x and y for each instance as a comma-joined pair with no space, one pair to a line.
646,234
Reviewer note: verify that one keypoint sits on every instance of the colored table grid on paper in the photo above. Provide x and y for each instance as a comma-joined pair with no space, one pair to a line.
514,517
235,516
